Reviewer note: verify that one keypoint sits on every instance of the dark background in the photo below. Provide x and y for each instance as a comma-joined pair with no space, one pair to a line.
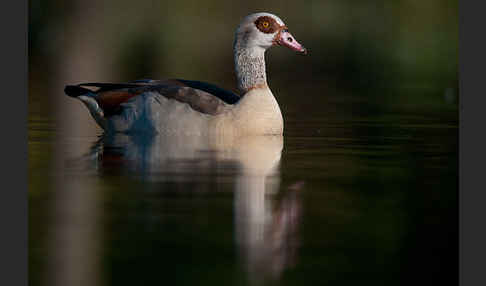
380,83
352,44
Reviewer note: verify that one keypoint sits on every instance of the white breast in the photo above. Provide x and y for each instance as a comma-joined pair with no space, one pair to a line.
257,113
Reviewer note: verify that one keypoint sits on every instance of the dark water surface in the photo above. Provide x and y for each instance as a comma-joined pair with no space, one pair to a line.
361,189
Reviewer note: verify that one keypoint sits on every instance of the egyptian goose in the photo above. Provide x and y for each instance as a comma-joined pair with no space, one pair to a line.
193,107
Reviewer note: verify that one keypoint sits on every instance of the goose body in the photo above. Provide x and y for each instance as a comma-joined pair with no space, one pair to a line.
178,106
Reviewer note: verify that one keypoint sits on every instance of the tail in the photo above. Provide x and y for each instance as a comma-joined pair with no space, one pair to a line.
88,97
76,90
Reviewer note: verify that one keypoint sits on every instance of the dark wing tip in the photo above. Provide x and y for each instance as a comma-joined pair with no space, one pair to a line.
225,95
75,91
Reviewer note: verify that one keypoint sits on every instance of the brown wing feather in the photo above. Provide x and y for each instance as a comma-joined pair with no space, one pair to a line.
109,97
110,101
197,99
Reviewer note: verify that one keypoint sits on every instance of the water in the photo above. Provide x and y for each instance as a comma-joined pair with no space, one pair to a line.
362,188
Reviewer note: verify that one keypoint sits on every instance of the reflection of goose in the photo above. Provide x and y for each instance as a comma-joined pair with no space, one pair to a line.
265,224
156,154
183,106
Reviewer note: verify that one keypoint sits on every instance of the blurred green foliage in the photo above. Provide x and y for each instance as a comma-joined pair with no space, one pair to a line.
356,43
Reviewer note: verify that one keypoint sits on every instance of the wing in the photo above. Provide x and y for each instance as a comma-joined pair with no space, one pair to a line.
225,95
202,97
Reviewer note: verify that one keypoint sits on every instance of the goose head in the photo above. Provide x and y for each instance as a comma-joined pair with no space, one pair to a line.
255,34
264,30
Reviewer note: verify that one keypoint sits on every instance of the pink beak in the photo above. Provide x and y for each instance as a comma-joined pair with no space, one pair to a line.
286,39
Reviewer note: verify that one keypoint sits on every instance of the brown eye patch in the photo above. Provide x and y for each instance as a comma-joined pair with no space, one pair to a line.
267,24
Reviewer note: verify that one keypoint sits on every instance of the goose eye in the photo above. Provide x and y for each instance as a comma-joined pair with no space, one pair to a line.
266,25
